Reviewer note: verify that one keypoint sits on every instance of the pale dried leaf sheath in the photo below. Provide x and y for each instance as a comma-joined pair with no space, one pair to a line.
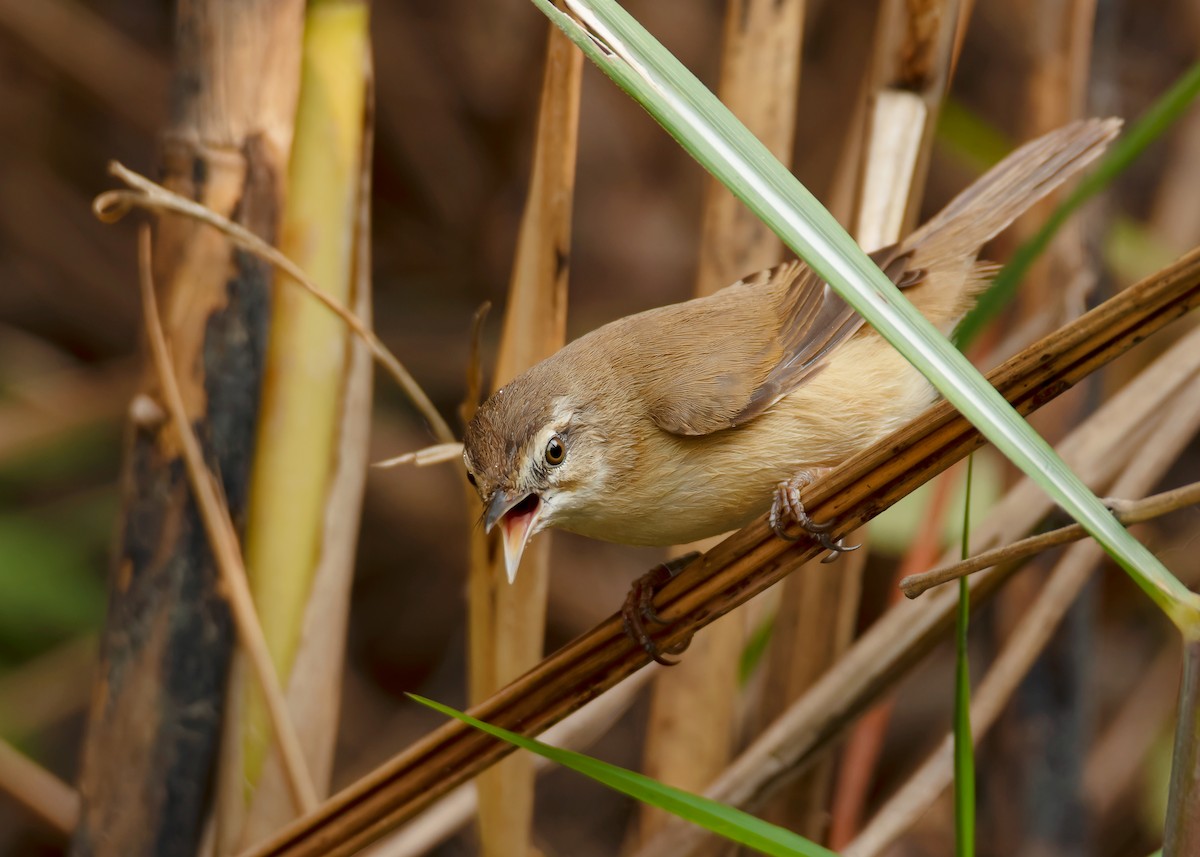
237,73
507,620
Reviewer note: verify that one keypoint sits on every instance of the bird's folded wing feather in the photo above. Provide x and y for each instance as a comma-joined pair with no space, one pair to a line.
724,360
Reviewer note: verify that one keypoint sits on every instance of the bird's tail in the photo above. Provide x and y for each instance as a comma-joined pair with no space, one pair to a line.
989,205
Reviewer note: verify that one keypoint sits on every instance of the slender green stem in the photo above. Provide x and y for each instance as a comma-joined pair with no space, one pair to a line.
964,748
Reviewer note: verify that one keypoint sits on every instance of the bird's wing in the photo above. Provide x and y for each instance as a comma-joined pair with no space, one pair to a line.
724,360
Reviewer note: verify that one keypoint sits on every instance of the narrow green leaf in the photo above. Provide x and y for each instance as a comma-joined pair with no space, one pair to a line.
707,130
1161,115
733,824
964,752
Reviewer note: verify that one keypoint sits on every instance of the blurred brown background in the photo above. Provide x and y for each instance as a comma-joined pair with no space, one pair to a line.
85,82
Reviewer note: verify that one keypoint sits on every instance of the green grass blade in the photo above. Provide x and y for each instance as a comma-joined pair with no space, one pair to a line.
733,824
1161,115
707,130
964,750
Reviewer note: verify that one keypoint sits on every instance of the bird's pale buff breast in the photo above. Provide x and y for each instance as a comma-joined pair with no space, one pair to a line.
721,481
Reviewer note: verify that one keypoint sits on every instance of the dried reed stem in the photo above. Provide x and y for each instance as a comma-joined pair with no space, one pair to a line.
222,538
1126,511
38,790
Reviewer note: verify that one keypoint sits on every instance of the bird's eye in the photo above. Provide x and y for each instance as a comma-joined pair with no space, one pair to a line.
471,479
555,451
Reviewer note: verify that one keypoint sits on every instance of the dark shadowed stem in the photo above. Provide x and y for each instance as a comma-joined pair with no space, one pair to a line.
1182,833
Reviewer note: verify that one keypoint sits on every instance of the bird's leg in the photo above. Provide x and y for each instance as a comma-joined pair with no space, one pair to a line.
638,610
787,507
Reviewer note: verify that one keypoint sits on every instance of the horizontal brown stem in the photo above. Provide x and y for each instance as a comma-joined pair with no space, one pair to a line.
733,572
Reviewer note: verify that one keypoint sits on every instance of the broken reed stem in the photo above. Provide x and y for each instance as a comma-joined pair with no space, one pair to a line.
222,538
745,564
437,454
38,790
112,205
1126,511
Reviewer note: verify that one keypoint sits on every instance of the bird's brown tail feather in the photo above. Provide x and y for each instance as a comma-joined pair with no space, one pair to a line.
1011,187
949,242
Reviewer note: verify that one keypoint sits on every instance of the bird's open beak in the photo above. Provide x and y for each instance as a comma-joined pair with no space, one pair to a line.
517,514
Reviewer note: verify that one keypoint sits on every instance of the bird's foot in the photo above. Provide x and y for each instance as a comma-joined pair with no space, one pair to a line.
787,508
638,610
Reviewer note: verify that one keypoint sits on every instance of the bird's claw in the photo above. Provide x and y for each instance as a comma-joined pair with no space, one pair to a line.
788,508
638,610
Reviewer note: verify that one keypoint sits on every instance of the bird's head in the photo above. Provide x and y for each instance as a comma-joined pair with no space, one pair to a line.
536,456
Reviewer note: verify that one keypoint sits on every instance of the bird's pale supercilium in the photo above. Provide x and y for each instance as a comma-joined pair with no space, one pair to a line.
682,422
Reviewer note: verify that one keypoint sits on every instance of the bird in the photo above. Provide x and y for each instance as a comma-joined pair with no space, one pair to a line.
690,420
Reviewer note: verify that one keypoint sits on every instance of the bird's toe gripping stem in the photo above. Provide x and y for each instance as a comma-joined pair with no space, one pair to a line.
638,610
788,508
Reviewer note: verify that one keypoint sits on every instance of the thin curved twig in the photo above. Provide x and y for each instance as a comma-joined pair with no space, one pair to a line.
112,205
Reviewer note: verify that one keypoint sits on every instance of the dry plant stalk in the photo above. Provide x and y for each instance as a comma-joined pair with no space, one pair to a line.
39,791
48,689
760,79
1059,38
738,569
912,59
1119,754
1149,462
237,66
507,620
1126,511
222,539
62,404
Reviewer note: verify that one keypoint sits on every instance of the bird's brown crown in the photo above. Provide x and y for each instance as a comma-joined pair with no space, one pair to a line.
504,425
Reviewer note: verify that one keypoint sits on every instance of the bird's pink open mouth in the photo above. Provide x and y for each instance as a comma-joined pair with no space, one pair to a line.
517,525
